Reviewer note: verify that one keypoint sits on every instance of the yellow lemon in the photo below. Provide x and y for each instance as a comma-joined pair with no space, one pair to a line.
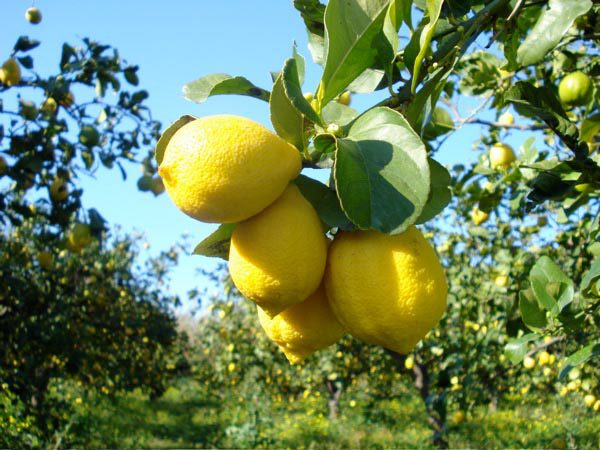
225,169
345,98
478,216
49,106
589,400
45,259
458,417
277,258
501,281
528,362
59,191
506,119
543,358
304,328
386,290
409,362
10,72
33,15
501,156
79,237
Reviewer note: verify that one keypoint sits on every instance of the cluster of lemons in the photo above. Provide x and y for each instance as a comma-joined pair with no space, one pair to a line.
310,290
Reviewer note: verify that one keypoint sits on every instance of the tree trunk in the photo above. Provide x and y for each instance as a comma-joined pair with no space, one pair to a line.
335,393
434,418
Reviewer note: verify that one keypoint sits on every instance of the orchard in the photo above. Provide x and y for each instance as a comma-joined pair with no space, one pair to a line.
376,286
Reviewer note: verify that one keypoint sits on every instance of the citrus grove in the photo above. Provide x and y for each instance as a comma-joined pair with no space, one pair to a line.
370,296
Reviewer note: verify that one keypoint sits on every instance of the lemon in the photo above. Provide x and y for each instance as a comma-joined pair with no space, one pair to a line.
145,183
575,89
33,15
345,98
158,186
589,400
45,259
501,281
544,358
501,155
89,136
49,106
10,72
386,290
458,417
478,216
79,237
528,362
409,362
59,191
67,100
303,328
277,258
226,169
506,119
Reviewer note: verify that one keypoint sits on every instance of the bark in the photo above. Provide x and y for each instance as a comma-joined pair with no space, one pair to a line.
333,399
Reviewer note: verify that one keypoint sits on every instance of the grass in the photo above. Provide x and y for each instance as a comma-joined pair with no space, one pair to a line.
185,418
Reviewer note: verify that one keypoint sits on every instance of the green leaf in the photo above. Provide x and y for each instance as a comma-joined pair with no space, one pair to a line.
551,287
221,84
579,357
381,172
368,81
354,41
312,12
286,119
339,114
541,103
166,136
516,349
293,91
590,127
591,277
420,41
440,193
217,244
130,74
532,315
325,202
552,25
24,44
300,64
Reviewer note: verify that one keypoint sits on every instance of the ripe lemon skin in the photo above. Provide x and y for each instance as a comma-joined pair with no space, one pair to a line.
225,169
501,155
386,290
10,72
277,258
303,328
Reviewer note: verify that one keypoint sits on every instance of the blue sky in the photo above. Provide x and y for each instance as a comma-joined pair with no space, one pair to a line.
173,43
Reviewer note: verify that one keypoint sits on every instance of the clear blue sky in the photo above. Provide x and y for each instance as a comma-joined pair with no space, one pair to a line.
176,42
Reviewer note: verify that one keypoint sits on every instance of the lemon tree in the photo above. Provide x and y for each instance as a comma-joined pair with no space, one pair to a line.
383,176
75,311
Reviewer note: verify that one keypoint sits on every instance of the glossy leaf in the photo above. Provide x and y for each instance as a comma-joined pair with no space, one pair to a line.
421,40
293,91
217,244
286,119
551,287
579,357
532,315
516,349
354,41
312,12
541,103
591,277
552,25
221,84
440,193
325,202
381,172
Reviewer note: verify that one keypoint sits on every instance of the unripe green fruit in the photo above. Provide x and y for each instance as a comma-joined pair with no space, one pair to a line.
49,106
145,183
89,136
28,110
158,186
575,89
33,15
